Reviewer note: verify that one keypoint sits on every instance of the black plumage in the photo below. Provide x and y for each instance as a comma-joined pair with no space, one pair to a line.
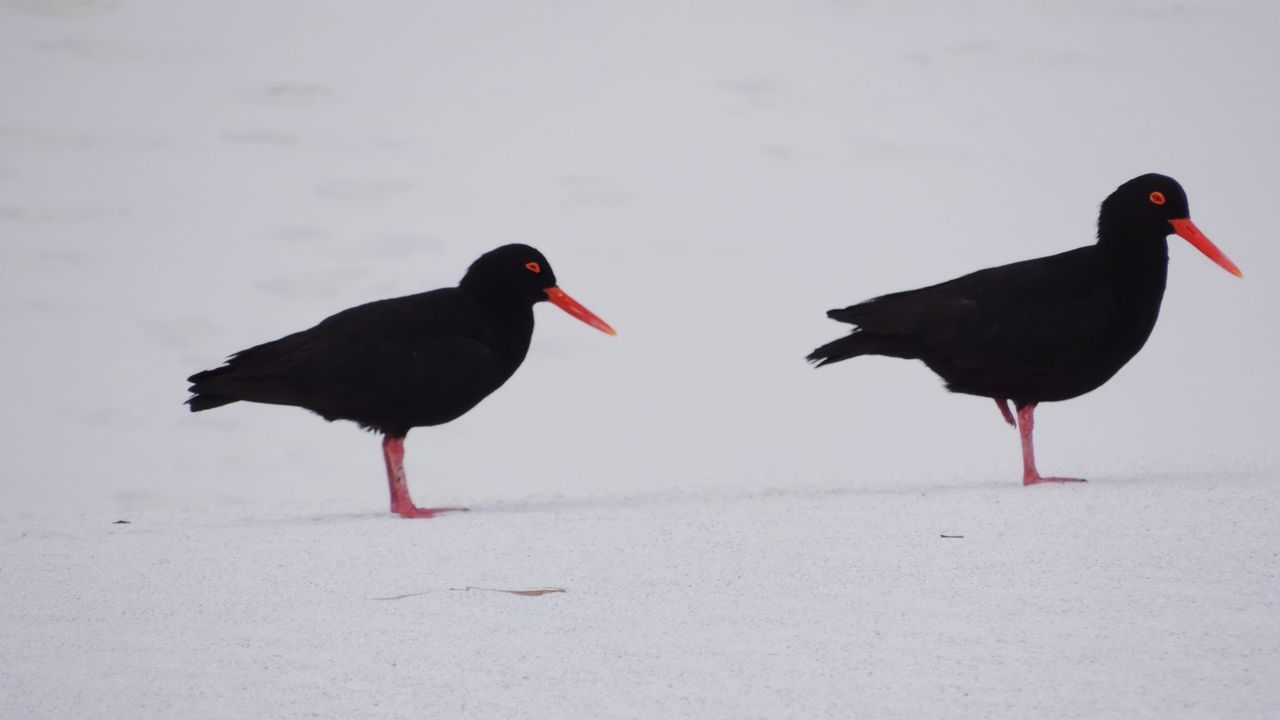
1040,330
406,362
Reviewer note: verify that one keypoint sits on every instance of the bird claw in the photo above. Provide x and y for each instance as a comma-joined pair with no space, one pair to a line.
1037,480
417,512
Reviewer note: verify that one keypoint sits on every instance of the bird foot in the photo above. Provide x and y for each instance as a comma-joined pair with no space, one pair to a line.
413,511
1038,479
1004,411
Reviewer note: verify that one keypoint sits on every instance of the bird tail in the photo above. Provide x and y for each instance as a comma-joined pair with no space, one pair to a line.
855,344
205,391
882,326
258,374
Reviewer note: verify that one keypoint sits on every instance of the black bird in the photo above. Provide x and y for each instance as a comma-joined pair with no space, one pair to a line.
1040,330
402,363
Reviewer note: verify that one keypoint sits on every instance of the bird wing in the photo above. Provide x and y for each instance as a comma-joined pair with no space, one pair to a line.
403,373
1029,315
426,352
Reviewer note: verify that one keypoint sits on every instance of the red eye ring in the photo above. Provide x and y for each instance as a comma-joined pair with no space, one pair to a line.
1156,197
534,267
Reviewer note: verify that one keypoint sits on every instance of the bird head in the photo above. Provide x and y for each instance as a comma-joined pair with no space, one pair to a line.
519,273
1156,205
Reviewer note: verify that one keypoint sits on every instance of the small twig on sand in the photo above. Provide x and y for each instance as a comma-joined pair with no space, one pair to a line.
405,595
523,593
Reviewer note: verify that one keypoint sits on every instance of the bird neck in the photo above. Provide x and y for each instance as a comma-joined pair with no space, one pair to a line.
511,312
1139,265
1131,242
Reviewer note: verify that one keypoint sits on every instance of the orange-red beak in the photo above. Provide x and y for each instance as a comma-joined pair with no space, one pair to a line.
562,300
1189,232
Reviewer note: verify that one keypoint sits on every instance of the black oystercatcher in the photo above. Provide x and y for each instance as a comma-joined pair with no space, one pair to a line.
1041,330
402,363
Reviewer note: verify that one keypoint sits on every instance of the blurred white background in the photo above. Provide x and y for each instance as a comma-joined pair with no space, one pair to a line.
182,180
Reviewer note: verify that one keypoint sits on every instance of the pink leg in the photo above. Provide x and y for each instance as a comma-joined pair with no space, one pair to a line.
1031,476
401,503
1003,404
